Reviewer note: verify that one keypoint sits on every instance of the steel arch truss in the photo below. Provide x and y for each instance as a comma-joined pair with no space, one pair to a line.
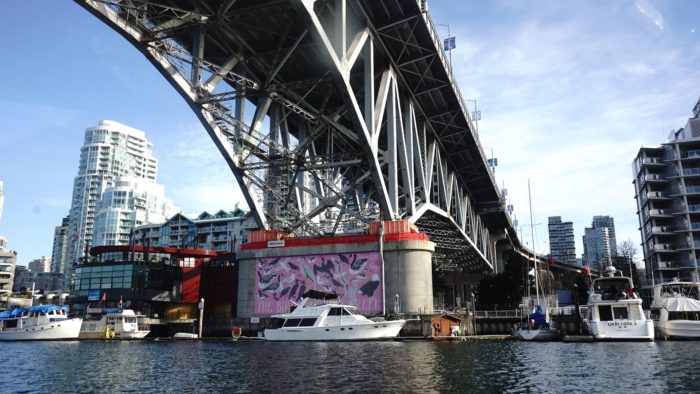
313,116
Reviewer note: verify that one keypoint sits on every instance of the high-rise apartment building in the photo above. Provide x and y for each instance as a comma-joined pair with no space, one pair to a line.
8,259
2,199
42,264
110,150
599,242
562,246
129,203
59,252
667,190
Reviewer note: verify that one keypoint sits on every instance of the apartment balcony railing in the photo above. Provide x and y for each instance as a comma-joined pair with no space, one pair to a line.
691,171
690,154
652,160
664,247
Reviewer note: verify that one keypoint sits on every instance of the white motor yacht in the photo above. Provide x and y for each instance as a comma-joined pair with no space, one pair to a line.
40,322
675,310
318,317
615,310
108,323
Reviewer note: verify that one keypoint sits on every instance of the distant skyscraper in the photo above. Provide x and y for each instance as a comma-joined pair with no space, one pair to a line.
59,253
42,264
110,150
667,190
129,203
599,242
561,240
2,199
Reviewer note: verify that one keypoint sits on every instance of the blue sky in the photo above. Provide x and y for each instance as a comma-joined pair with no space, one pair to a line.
568,92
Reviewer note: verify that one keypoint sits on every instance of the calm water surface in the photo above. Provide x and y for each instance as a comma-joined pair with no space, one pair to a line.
488,367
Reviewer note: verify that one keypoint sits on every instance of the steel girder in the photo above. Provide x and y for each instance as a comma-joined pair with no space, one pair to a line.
325,126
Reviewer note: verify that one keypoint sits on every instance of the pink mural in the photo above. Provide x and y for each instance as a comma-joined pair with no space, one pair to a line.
355,277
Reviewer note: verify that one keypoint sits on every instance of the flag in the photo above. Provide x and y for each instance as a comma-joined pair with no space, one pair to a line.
449,43
104,297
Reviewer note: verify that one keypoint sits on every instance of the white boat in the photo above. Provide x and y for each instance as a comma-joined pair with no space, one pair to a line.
108,323
41,322
185,335
615,310
537,326
318,317
675,310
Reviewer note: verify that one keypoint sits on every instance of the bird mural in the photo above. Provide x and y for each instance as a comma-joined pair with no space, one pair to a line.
370,287
284,279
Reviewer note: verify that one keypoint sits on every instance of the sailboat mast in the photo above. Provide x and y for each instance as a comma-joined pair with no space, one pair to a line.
532,236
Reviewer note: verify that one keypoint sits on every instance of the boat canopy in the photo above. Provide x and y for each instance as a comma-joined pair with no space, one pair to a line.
17,312
682,304
320,295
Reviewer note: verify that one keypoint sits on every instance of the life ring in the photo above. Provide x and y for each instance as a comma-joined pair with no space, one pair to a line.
107,333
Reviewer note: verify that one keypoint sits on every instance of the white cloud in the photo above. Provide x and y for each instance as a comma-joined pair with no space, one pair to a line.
650,12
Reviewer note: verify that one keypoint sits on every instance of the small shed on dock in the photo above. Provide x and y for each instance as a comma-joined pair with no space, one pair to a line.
442,325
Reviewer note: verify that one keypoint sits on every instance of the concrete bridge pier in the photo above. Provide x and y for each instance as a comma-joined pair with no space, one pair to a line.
273,272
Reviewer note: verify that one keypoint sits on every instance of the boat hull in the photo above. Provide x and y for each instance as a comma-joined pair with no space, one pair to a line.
352,332
118,335
629,330
63,329
538,334
678,329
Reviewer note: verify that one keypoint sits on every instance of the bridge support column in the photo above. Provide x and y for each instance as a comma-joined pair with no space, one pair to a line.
351,266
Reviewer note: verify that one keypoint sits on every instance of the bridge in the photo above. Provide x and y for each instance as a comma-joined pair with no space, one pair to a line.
331,115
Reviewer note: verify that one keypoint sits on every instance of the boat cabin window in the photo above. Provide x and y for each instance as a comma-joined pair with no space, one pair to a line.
307,322
690,315
291,323
276,322
620,313
340,311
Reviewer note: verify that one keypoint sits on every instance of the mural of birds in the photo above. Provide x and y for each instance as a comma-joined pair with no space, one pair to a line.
370,287
357,266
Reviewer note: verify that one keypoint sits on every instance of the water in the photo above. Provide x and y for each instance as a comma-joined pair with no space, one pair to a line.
421,366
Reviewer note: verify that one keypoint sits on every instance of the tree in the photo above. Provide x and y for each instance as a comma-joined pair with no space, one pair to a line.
626,253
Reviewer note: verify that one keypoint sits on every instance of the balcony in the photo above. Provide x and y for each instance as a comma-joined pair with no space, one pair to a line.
652,161
657,196
655,178
661,230
691,154
660,213
664,248
691,172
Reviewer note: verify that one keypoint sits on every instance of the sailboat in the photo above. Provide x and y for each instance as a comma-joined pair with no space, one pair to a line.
537,327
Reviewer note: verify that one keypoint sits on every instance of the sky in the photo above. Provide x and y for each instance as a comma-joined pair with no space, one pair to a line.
568,92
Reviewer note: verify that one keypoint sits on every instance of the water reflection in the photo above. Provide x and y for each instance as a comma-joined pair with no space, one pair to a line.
191,366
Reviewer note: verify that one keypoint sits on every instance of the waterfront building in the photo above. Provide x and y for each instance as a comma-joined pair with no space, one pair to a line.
163,283
131,202
8,259
221,231
110,150
562,246
22,277
599,246
59,252
667,191
42,264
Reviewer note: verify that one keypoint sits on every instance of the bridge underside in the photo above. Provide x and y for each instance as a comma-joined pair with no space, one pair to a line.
331,114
